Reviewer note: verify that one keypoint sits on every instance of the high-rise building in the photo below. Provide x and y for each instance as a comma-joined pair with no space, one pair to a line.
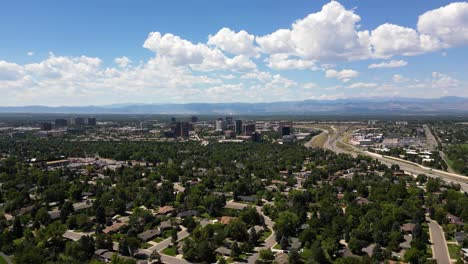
238,127
228,134
173,119
61,122
194,119
220,125
285,128
91,121
229,119
182,129
248,129
256,137
46,126
76,121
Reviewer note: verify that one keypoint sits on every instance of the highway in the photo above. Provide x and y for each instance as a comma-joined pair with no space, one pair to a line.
336,143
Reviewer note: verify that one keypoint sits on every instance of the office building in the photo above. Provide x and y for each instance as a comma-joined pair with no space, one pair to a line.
194,119
91,121
285,128
256,137
61,122
77,121
229,119
182,129
229,134
238,127
248,129
220,125
46,126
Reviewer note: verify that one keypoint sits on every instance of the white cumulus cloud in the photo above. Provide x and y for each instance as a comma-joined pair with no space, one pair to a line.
238,43
448,23
122,61
343,75
284,62
388,64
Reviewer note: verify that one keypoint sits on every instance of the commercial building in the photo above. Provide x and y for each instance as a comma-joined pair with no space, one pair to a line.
285,128
248,129
91,121
238,127
194,119
220,125
77,121
182,129
60,122
229,134
46,126
256,136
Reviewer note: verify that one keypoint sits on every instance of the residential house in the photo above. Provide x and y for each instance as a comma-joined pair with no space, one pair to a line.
149,234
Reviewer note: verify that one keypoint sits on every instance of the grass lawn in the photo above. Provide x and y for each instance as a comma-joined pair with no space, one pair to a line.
171,251
277,246
158,239
319,140
146,245
454,251
265,235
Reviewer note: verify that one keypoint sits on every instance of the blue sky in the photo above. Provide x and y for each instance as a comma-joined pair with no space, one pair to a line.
103,52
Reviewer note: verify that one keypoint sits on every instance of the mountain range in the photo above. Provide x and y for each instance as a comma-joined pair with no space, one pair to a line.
391,106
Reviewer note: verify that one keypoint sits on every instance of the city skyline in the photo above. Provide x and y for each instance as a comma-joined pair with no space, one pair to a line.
109,53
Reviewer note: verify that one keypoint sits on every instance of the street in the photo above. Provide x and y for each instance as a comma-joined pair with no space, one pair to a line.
439,245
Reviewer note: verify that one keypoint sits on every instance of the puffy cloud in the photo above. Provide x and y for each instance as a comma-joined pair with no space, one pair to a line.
440,80
181,52
10,71
362,85
344,75
240,43
284,62
448,23
389,64
389,40
277,42
64,67
257,75
30,53
399,78
122,61
310,37
309,85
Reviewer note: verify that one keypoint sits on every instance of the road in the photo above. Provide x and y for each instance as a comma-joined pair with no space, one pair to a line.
164,244
434,143
270,241
335,143
439,245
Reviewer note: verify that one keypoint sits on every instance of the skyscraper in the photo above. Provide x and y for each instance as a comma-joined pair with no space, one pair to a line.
238,127
248,129
46,126
182,129
285,128
220,125
61,122
91,121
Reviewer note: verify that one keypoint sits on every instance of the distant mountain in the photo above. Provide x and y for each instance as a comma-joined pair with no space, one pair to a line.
381,106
